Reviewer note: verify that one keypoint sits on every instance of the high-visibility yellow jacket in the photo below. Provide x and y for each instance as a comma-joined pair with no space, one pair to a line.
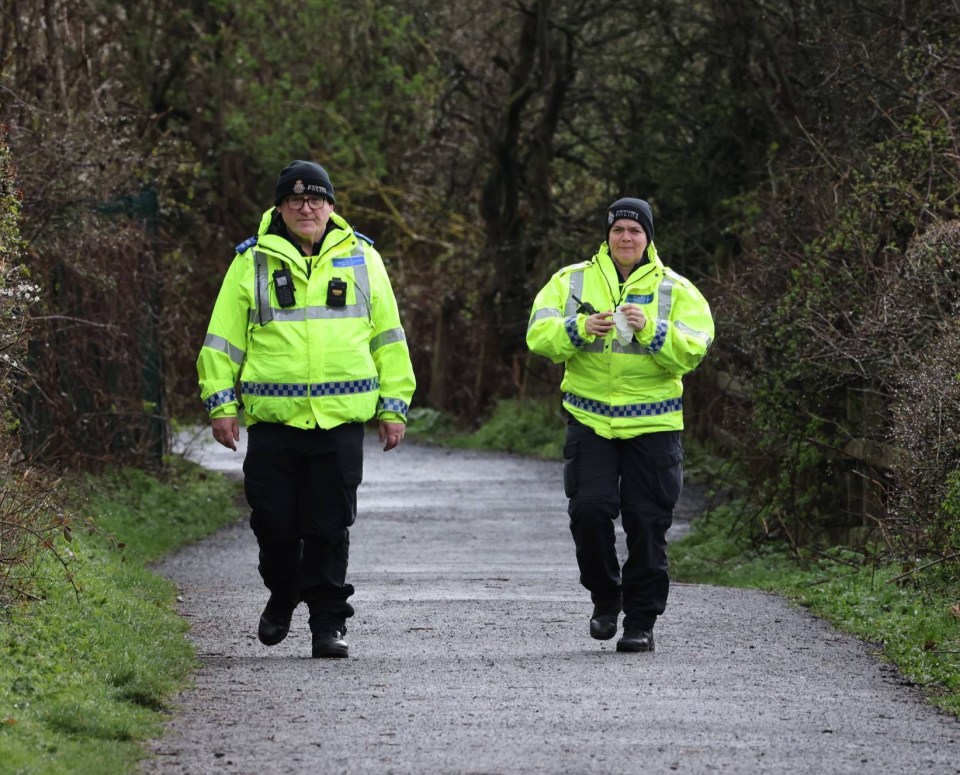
310,364
622,391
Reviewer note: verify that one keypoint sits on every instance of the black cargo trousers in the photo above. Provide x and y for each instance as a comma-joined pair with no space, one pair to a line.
639,479
301,485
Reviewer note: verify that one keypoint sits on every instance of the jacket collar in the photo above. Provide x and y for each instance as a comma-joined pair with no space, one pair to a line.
274,236
652,266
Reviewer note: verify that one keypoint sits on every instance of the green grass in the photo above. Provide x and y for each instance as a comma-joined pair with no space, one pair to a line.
913,619
88,668
531,427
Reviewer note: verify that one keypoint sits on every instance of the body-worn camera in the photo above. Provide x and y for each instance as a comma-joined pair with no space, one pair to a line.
336,293
283,285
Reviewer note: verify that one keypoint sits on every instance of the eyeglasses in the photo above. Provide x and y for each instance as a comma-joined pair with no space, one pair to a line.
313,202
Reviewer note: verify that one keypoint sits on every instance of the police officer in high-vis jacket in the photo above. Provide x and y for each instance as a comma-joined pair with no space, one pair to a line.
627,329
306,325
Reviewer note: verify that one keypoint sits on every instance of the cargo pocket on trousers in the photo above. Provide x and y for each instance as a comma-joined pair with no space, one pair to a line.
669,471
570,479
351,481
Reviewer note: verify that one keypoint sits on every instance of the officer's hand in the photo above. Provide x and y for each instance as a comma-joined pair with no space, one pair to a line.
391,433
599,324
634,316
226,430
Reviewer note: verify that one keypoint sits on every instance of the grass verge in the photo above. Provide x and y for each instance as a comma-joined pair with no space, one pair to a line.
524,427
913,618
88,666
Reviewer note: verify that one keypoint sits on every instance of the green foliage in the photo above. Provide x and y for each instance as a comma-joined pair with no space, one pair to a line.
526,427
87,669
24,525
425,423
845,361
150,515
720,550
951,511
529,427
333,82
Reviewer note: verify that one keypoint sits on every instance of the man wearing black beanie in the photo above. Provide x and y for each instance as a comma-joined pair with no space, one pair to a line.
306,318
627,328
303,177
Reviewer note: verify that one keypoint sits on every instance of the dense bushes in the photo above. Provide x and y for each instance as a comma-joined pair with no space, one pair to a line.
842,315
28,524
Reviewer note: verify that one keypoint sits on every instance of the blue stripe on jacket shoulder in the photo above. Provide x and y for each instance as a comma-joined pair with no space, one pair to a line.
364,237
247,243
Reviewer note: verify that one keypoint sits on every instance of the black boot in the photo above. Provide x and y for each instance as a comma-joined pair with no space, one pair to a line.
275,619
328,643
603,626
636,640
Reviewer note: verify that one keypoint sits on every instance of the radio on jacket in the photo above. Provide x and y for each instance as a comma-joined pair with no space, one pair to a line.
283,285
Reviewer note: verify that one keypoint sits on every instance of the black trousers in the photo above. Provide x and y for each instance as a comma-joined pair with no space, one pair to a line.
302,489
639,479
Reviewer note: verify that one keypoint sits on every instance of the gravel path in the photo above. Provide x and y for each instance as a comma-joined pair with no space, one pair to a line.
469,653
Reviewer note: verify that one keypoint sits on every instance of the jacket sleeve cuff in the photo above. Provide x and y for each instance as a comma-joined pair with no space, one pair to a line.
576,328
645,334
224,410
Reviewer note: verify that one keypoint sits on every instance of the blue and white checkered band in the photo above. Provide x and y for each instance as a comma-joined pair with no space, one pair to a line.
651,409
570,324
297,390
219,399
393,405
659,337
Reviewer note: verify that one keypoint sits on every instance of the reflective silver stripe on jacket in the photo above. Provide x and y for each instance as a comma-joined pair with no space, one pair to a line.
264,313
540,314
665,300
316,313
261,312
387,337
222,345
576,289
701,335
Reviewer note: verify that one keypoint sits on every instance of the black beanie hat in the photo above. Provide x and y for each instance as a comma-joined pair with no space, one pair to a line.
303,177
634,209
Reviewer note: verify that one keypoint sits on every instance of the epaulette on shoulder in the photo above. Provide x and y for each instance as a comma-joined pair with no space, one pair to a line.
247,243
364,237
676,276
574,267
